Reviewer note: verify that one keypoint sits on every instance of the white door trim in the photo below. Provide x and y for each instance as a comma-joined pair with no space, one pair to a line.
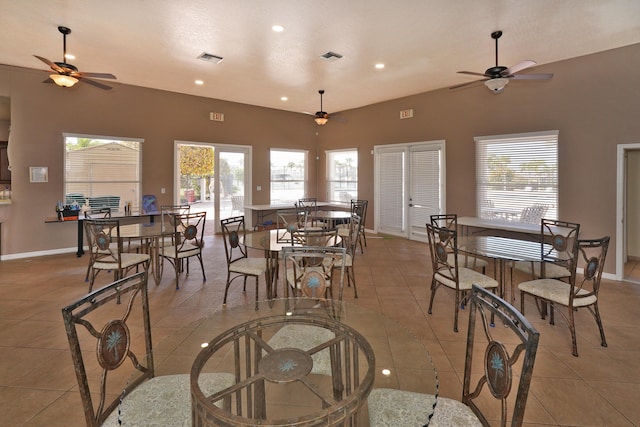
621,207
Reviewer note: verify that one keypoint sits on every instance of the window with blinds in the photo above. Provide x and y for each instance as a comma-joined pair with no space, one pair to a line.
517,176
288,175
342,175
102,171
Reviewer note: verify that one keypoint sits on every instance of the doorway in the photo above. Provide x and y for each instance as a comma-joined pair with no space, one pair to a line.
215,178
409,187
628,213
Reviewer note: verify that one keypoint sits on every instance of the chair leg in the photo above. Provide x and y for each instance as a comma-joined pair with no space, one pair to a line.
596,315
433,293
572,329
351,277
257,288
226,288
457,309
204,278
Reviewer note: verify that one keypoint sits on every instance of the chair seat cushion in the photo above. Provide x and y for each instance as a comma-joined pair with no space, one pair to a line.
187,251
250,266
127,260
391,407
551,270
556,291
467,278
165,400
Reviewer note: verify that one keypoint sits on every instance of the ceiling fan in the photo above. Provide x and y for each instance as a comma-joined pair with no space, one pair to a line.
496,78
322,117
67,75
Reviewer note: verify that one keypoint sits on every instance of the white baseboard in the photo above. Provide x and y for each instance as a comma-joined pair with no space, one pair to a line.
39,253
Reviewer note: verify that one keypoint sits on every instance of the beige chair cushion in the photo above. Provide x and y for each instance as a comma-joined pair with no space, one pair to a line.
551,271
187,251
127,260
165,400
392,408
468,277
251,266
556,291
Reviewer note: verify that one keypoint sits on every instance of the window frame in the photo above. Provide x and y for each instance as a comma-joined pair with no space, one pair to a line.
302,180
346,183
527,148
125,197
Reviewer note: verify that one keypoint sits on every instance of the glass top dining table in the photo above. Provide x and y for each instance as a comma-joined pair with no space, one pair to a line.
150,234
385,355
505,250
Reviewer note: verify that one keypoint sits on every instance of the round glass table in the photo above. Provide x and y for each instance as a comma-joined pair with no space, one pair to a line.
296,362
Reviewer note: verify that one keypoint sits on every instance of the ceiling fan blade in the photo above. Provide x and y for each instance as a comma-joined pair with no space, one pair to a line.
543,76
95,83
96,75
518,67
53,66
468,84
473,74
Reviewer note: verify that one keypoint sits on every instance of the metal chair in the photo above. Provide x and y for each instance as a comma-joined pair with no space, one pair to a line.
509,355
106,253
359,208
310,206
239,264
561,236
309,273
88,214
188,242
577,293
443,245
451,221
114,367
350,243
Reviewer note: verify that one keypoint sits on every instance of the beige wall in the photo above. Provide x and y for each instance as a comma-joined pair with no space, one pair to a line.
593,101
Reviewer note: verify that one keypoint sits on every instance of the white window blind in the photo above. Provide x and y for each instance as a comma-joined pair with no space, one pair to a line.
288,175
391,182
517,176
426,186
102,171
342,175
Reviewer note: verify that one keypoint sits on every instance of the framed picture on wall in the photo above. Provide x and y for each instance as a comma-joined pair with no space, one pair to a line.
38,174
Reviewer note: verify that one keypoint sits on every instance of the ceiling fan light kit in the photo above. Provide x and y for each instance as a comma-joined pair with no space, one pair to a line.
496,78
321,117
63,80
67,75
496,85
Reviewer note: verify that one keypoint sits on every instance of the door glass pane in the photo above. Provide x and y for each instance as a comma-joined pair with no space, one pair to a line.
231,184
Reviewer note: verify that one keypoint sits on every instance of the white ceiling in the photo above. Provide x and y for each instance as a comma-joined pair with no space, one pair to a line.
155,43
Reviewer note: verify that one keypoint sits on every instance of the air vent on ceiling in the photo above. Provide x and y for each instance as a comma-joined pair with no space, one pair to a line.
210,57
331,56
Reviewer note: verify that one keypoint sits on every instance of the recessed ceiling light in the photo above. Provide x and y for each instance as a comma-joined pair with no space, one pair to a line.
70,56
278,28
284,98
199,82
380,66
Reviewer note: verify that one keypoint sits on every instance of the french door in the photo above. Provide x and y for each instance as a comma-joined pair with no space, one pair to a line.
215,178
409,187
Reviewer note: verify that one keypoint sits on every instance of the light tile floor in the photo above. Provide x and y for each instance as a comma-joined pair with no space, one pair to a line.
601,387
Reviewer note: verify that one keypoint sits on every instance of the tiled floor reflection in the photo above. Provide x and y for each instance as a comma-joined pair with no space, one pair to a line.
38,386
